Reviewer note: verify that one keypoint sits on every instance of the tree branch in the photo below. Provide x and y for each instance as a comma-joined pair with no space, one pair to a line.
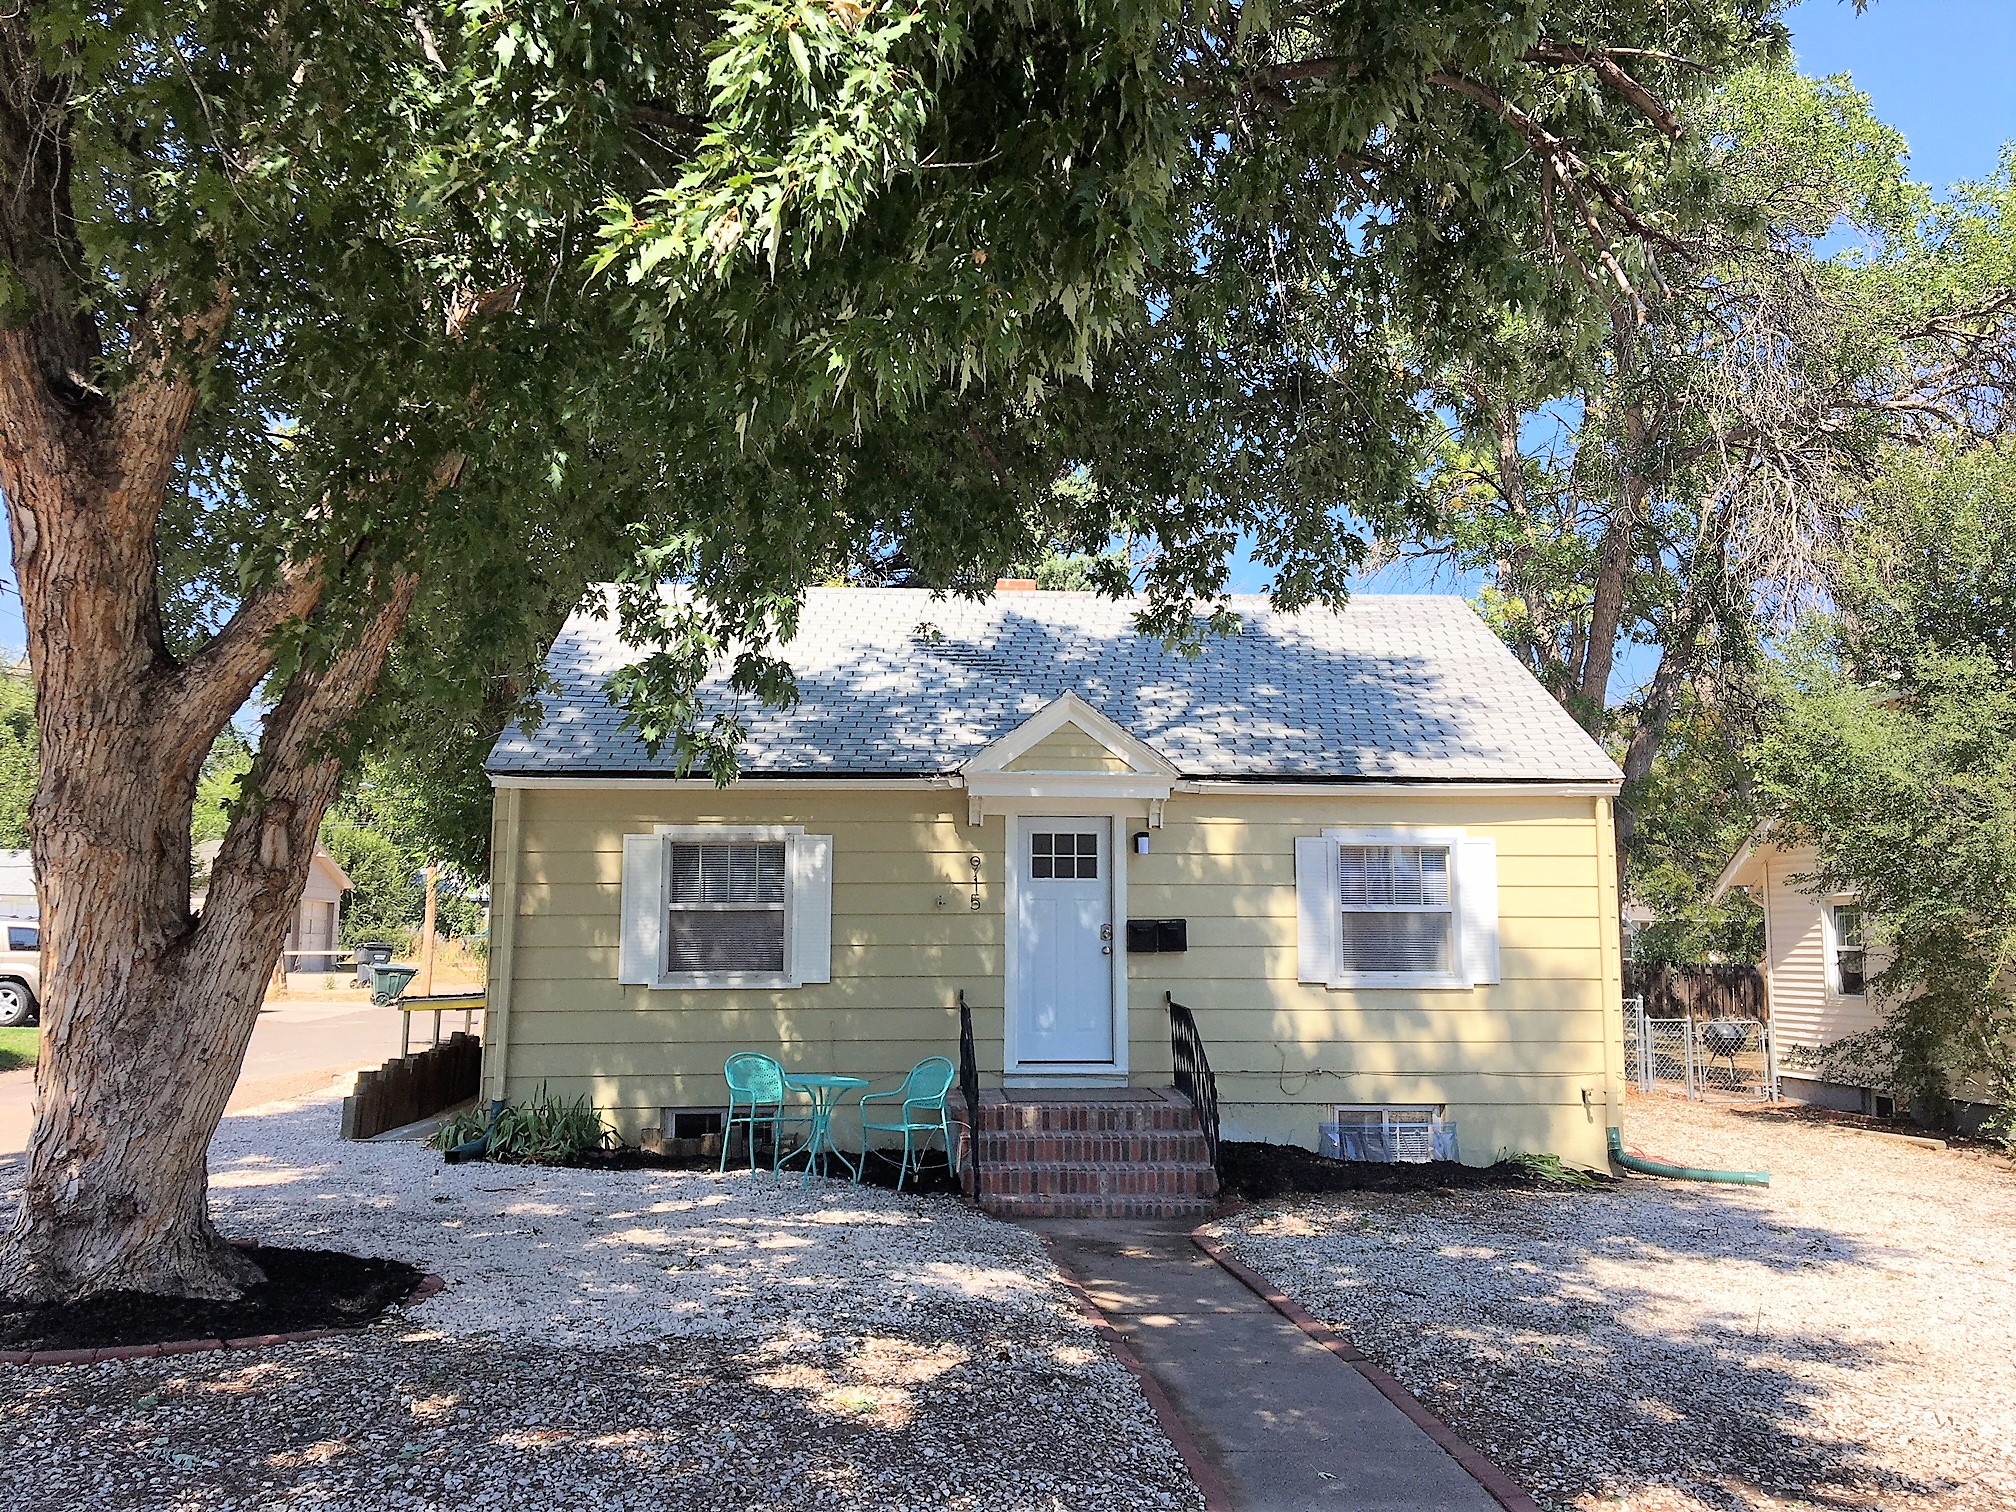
215,682
1602,62
266,850
1571,173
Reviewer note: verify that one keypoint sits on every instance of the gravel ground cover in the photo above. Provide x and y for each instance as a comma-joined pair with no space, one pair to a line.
1844,1338
612,1339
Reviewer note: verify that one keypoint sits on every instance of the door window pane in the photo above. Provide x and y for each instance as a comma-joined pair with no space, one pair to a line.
1064,853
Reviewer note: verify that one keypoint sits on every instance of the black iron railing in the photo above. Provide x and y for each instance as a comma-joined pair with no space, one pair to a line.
969,1086
1193,1072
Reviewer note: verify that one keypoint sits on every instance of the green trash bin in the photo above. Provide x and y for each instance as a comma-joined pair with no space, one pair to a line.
388,982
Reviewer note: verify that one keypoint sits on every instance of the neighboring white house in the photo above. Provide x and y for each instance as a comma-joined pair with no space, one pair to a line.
17,886
1815,967
311,938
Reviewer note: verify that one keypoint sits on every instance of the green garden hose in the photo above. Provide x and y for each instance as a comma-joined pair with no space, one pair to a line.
1680,1173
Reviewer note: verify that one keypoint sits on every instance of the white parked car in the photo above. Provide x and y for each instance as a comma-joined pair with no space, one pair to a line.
20,973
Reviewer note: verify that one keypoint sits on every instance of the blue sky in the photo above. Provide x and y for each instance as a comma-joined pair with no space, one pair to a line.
1940,71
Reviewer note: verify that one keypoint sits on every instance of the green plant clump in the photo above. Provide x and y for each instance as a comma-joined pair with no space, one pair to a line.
1550,1169
542,1130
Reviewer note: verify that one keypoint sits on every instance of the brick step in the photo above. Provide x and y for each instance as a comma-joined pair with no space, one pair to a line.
1087,1147
1100,1205
1087,1117
1059,1179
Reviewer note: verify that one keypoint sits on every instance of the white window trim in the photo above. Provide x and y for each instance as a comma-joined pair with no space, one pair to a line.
1831,935
728,834
1452,839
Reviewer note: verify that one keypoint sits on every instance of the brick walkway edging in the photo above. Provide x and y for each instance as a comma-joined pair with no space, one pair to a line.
429,1286
1501,1487
1217,1498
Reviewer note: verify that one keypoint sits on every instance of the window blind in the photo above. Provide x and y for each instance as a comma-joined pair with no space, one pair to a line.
1397,910
726,907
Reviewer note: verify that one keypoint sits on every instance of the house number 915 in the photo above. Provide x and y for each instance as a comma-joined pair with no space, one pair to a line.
974,905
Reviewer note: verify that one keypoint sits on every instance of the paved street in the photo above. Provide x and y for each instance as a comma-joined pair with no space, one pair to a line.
301,1044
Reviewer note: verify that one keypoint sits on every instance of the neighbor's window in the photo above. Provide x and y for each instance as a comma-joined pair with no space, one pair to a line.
1399,911
726,909
1848,949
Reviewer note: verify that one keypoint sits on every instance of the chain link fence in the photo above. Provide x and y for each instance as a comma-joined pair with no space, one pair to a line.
1726,1055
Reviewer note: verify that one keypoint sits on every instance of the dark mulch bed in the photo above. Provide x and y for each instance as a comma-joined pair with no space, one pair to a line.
933,1180
303,1289
1256,1172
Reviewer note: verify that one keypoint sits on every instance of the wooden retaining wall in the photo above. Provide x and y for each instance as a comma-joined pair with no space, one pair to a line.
409,1088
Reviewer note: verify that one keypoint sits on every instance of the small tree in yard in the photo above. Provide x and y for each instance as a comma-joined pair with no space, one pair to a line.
305,391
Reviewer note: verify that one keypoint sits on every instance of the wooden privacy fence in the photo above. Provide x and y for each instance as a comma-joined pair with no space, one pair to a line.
411,1087
1697,992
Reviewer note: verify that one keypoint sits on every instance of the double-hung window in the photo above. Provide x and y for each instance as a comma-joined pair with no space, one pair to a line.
725,907
718,905
1847,949
1412,907
1397,906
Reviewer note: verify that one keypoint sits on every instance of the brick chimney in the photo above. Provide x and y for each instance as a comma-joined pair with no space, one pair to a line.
1014,585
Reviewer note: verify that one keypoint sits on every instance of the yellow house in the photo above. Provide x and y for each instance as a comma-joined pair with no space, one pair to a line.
1364,848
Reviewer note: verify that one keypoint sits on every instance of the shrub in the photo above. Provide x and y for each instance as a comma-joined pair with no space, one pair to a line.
542,1130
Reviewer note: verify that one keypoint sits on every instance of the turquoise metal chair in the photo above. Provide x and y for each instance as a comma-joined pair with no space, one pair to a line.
921,1112
756,1083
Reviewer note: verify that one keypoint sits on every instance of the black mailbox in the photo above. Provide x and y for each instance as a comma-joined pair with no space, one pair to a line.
1150,936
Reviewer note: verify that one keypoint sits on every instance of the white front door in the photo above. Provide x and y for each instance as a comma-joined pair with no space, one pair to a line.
1064,943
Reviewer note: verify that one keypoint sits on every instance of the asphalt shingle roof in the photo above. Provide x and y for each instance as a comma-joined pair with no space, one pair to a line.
1412,687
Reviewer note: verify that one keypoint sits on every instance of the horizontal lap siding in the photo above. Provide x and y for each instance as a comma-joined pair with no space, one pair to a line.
1511,1061
1068,749
904,941
1806,1014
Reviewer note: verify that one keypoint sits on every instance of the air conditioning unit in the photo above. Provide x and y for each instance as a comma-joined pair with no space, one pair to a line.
1386,1134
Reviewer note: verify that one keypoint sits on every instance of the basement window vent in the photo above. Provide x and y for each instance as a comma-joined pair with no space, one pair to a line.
1387,1134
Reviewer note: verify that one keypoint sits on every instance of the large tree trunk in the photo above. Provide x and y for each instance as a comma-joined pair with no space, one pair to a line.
146,1009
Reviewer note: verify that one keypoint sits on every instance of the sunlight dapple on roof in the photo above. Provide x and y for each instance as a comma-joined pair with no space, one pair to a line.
895,681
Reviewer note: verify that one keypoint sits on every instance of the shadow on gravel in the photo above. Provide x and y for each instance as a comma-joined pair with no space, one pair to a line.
1535,1321
437,1424
932,1177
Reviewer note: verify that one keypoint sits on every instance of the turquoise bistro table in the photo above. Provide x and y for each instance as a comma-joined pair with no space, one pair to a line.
825,1091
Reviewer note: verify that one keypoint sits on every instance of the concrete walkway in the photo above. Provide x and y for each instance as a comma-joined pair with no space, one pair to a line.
1285,1423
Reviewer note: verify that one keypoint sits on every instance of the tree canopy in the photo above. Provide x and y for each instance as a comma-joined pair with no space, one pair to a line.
1892,749
343,344
1662,480
18,763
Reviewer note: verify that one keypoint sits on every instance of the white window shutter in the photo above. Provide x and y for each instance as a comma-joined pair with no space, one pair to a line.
811,867
1477,896
639,963
1315,908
